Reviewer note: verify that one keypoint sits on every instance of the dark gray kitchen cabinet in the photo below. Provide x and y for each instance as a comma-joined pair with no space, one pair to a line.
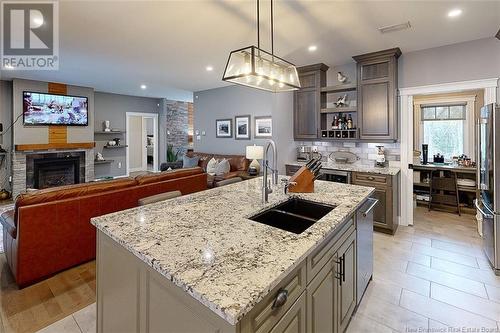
308,101
377,79
385,213
331,295
347,281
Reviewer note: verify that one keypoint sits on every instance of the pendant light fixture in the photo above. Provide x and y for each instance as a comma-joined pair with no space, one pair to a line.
253,67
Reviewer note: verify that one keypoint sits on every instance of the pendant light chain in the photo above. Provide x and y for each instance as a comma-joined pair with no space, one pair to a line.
258,24
272,30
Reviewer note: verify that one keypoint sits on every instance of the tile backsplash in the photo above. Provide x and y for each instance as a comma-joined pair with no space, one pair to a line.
367,152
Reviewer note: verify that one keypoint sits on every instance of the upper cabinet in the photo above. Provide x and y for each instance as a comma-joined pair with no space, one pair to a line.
308,101
377,79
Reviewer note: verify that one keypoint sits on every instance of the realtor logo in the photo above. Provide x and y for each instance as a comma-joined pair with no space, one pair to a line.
30,35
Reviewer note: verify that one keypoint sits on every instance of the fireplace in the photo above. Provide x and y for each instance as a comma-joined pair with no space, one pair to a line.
45,170
53,172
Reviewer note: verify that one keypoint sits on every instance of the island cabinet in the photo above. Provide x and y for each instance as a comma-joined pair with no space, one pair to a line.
318,295
308,101
385,214
377,78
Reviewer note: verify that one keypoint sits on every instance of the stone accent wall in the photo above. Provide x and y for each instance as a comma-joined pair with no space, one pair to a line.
174,126
367,152
19,168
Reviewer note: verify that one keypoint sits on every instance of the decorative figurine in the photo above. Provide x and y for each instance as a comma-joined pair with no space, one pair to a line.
99,157
341,77
105,125
341,101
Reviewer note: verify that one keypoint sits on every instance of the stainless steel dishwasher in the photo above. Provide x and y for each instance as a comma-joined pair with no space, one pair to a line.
364,247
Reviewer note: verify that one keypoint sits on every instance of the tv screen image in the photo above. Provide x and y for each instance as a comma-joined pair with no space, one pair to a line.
49,109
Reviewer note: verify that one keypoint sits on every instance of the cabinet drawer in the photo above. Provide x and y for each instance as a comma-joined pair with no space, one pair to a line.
263,317
323,254
373,178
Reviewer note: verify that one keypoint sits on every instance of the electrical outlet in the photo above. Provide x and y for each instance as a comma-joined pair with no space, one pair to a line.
119,165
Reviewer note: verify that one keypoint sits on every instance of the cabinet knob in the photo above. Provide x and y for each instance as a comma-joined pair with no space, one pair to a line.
371,178
280,299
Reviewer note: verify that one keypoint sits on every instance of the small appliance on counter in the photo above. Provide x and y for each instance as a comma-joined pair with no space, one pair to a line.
304,153
380,161
425,153
438,158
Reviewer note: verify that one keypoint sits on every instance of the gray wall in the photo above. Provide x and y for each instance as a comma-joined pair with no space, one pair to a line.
40,134
232,101
113,107
477,59
6,139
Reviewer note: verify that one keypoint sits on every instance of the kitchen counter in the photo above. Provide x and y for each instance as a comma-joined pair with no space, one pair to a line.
355,167
205,244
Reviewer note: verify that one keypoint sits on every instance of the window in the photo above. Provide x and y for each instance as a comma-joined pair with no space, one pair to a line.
444,129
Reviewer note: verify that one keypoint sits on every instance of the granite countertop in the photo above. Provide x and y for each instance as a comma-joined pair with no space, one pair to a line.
356,167
205,243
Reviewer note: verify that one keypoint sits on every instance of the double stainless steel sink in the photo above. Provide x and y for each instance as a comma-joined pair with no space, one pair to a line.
294,215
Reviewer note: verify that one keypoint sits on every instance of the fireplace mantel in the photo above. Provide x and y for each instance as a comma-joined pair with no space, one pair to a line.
47,146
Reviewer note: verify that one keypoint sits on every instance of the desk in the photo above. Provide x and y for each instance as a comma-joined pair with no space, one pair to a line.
466,193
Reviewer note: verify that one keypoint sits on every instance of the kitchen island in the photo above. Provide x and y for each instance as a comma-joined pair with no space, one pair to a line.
198,263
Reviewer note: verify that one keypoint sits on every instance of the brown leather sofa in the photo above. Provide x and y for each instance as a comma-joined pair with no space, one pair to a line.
49,230
239,165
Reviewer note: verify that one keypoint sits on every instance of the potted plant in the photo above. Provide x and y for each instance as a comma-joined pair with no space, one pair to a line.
172,159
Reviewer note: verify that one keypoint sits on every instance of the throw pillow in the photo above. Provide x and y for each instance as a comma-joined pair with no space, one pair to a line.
212,166
190,162
223,167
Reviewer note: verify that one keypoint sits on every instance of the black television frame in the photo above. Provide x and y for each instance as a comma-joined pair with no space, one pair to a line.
66,95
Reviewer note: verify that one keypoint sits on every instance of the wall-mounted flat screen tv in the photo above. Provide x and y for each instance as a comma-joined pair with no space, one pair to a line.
50,109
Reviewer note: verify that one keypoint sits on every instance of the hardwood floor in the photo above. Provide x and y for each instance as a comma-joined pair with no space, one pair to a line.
38,306
429,276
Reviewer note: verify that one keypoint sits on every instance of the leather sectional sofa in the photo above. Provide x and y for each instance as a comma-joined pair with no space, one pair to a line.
239,165
49,230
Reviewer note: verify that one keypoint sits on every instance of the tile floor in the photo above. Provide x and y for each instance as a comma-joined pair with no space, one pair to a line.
429,276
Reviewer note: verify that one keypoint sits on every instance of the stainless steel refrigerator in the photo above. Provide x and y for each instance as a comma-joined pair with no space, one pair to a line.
488,203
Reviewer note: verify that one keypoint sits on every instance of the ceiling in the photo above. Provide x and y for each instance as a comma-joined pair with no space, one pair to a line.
115,46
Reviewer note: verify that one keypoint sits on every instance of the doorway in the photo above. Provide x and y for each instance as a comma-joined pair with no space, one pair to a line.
407,103
142,142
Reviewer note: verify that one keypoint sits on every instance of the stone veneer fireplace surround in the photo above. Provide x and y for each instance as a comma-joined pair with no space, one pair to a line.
23,166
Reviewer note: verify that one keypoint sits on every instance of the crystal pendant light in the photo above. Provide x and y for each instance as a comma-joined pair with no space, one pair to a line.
253,67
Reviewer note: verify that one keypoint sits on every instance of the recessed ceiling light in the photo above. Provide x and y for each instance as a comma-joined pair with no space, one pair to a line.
209,68
454,12
312,48
143,86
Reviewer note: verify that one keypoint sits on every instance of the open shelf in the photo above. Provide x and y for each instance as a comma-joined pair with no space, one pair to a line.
110,132
339,88
103,162
346,109
115,147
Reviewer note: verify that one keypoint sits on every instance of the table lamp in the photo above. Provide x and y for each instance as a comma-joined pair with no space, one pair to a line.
254,153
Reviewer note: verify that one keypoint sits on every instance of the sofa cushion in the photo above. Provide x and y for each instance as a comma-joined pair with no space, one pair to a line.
222,167
190,162
71,191
167,175
237,162
7,220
